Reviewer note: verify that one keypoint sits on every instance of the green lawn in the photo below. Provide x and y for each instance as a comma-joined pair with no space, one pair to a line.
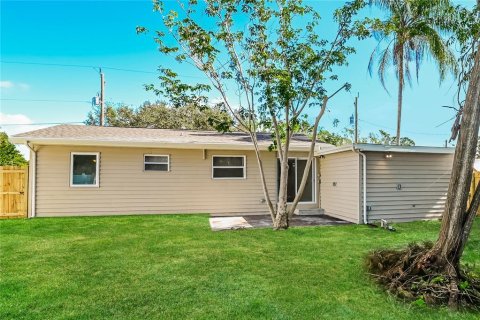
174,267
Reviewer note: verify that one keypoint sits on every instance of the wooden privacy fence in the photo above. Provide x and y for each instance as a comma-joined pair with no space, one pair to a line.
475,180
13,191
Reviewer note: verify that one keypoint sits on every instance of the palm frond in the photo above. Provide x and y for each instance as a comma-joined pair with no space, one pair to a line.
406,66
383,4
383,64
418,26
374,53
419,54
441,52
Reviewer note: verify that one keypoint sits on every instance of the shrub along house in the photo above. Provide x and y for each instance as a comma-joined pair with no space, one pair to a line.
86,170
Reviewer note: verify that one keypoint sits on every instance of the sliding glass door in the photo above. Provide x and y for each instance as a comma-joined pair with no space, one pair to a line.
296,168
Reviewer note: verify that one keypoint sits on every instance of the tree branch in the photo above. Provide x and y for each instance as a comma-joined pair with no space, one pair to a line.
310,156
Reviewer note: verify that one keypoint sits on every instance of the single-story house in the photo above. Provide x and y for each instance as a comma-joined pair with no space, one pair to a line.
86,170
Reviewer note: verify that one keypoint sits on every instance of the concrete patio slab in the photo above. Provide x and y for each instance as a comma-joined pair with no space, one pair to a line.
228,223
264,221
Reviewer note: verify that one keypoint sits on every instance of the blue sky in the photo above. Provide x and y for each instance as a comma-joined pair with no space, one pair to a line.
102,33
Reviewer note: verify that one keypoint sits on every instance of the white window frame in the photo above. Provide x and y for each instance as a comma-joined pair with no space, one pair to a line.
97,168
314,180
156,155
244,167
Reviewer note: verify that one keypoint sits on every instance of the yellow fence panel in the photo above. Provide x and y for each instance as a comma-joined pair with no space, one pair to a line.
475,180
13,191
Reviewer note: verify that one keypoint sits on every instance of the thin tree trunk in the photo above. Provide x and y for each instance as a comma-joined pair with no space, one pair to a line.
400,95
311,154
281,217
281,220
266,194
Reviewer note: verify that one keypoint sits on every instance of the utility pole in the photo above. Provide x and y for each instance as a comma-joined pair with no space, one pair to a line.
356,118
102,94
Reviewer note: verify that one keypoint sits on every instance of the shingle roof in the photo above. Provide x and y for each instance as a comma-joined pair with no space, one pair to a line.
93,135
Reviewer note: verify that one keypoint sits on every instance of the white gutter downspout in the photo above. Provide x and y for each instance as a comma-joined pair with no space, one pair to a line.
365,218
33,165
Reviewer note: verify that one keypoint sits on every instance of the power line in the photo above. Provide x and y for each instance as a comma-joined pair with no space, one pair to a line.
37,124
441,124
66,101
48,64
411,132
90,66
46,100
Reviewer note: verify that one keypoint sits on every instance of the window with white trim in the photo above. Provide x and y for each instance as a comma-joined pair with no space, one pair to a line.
84,169
229,167
156,162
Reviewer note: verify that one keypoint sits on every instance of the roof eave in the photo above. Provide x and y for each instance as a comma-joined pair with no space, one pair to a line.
388,148
140,144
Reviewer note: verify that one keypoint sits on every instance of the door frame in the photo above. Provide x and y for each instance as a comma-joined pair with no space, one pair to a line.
314,180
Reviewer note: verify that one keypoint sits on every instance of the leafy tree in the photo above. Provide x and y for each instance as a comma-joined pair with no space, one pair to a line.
332,138
159,115
411,31
272,54
347,137
385,138
9,155
93,117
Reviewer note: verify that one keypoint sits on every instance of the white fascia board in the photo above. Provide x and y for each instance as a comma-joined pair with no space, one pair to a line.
402,149
142,144
321,152
387,148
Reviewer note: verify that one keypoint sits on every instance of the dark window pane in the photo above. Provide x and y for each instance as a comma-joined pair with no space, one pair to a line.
228,172
308,191
84,169
228,161
156,167
163,159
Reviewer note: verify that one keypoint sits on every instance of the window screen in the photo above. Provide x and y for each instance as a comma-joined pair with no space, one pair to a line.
228,167
156,162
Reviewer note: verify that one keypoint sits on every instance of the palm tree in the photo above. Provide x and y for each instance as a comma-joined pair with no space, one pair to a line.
411,30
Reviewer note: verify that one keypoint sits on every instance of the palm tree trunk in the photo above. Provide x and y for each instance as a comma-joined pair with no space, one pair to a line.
457,220
454,220
400,95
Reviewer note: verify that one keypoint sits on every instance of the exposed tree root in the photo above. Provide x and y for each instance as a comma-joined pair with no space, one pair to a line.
405,274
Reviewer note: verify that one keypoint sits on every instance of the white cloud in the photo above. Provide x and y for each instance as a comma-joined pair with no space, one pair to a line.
18,123
6,84
12,85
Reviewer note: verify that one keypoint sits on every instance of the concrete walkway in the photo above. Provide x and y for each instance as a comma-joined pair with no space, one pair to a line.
264,221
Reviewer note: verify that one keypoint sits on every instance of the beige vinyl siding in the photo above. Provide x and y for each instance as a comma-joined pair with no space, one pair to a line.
340,201
125,188
424,180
